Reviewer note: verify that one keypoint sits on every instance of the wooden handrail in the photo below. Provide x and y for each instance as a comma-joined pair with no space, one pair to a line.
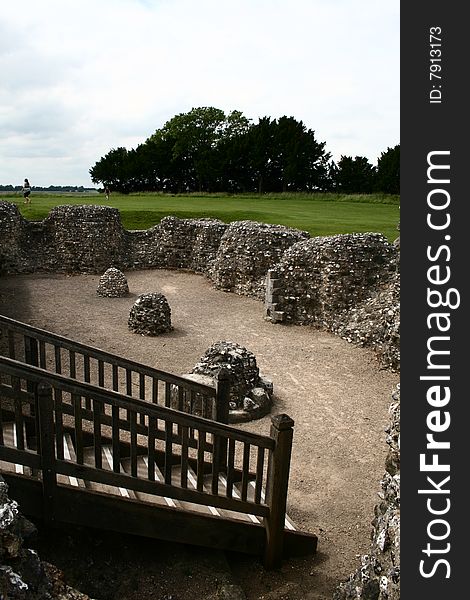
68,344
36,375
46,383
58,354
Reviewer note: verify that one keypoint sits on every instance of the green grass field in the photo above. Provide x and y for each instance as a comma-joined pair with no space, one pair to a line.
319,214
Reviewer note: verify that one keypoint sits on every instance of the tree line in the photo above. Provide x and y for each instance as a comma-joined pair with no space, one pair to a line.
206,150
50,188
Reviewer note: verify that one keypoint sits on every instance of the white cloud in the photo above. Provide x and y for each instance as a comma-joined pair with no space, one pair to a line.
80,77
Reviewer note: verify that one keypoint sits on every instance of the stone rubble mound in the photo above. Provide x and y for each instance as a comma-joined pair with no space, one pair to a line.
150,315
250,393
113,284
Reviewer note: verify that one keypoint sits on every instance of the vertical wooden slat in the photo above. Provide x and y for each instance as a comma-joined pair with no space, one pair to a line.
115,377
31,351
42,354
86,368
86,376
245,470
77,412
141,386
133,431
115,439
97,445
154,390
184,456
100,373
128,382
152,428
167,394
142,395
192,401
11,344
201,444
259,474
58,359
128,388
222,396
72,366
168,450
31,358
216,444
230,467
180,403
59,423
101,379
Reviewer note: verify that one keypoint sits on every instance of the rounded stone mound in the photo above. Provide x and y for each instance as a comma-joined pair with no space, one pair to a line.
113,284
250,393
150,315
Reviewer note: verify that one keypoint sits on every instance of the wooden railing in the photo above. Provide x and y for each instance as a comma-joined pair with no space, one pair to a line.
43,405
84,363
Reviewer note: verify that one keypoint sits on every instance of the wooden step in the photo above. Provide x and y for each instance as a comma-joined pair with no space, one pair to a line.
142,473
192,485
69,454
222,489
251,495
107,464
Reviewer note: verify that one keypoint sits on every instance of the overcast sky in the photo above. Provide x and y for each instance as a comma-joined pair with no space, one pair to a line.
79,77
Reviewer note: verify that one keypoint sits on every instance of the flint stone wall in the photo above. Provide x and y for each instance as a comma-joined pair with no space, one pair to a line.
341,283
319,278
375,323
247,251
174,243
91,239
378,577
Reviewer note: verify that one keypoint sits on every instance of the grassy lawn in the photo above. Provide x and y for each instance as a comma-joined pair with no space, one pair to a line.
319,214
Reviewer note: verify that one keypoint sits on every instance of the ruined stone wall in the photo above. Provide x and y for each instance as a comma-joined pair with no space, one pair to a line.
179,244
82,239
91,239
318,279
247,251
16,248
347,284
378,577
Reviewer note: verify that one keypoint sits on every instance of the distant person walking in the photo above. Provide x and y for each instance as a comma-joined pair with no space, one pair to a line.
26,192
107,192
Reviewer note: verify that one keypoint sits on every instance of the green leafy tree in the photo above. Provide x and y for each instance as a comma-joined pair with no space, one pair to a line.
355,175
388,171
195,137
112,170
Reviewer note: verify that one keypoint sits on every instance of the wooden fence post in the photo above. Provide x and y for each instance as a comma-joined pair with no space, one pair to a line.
222,387
276,489
47,448
31,357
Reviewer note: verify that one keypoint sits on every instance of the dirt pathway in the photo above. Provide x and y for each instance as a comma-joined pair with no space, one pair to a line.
335,392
